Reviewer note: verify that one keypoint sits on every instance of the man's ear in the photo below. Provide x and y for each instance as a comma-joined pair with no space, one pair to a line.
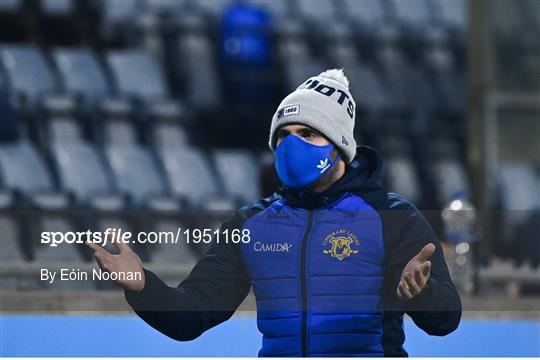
335,153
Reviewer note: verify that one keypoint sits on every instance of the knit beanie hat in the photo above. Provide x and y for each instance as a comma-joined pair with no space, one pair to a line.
325,104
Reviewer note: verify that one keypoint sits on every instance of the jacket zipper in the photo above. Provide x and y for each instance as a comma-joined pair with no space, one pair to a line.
303,282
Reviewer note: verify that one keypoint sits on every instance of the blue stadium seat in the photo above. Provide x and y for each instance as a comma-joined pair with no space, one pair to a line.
452,16
119,21
157,18
86,180
450,80
239,173
164,7
134,167
367,16
135,172
212,8
33,86
94,89
136,74
90,181
413,13
23,170
81,73
417,23
11,249
169,138
519,189
29,75
373,99
448,172
402,75
277,8
401,173
191,177
452,13
317,12
298,61
169,134
368,13
518,192
196,65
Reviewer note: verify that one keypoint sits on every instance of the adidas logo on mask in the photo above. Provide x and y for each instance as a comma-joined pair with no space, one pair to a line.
323,165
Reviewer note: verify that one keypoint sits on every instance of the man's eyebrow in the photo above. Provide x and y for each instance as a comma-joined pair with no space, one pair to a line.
309,130
282,132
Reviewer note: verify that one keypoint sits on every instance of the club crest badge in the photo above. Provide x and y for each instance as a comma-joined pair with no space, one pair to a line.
341,244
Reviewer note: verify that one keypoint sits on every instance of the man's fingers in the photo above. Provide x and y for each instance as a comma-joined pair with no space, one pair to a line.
413,286
403,289
399,294
103,257
426,269
119,244
419,276
426,252
102,262
97,249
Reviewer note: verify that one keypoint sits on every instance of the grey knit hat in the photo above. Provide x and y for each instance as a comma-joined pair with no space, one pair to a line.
325,104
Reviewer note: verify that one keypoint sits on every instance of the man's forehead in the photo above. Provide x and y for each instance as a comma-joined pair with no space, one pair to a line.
296,127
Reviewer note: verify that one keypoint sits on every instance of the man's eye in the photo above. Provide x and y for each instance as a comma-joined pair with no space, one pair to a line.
309,135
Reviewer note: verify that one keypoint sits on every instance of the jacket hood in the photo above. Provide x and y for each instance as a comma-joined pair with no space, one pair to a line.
363,174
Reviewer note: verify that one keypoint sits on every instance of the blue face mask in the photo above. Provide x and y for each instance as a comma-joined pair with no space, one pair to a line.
299,163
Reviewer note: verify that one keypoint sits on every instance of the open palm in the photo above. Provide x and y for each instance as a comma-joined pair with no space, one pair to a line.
416,274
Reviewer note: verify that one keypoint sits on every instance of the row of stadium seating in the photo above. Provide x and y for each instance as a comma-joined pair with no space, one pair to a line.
112,15
61,102
137,121
195,54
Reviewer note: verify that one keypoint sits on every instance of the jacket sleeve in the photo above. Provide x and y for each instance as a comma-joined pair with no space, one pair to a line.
211,293
437,309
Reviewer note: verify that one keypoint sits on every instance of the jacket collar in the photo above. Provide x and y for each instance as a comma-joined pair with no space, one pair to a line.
364,173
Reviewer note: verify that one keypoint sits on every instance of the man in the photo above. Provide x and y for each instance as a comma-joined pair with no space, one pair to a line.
333,259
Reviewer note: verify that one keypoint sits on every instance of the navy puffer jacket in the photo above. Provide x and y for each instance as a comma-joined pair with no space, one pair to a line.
324,269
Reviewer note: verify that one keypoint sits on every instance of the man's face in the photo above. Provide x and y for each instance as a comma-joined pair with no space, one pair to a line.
313,137
302,131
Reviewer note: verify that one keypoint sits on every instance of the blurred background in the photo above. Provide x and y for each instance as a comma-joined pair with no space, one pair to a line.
151,115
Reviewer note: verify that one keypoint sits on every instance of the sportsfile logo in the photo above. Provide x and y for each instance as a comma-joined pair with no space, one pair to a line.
323,165
260,247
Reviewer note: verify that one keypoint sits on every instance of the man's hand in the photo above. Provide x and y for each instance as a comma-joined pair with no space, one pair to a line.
125,261
416,274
